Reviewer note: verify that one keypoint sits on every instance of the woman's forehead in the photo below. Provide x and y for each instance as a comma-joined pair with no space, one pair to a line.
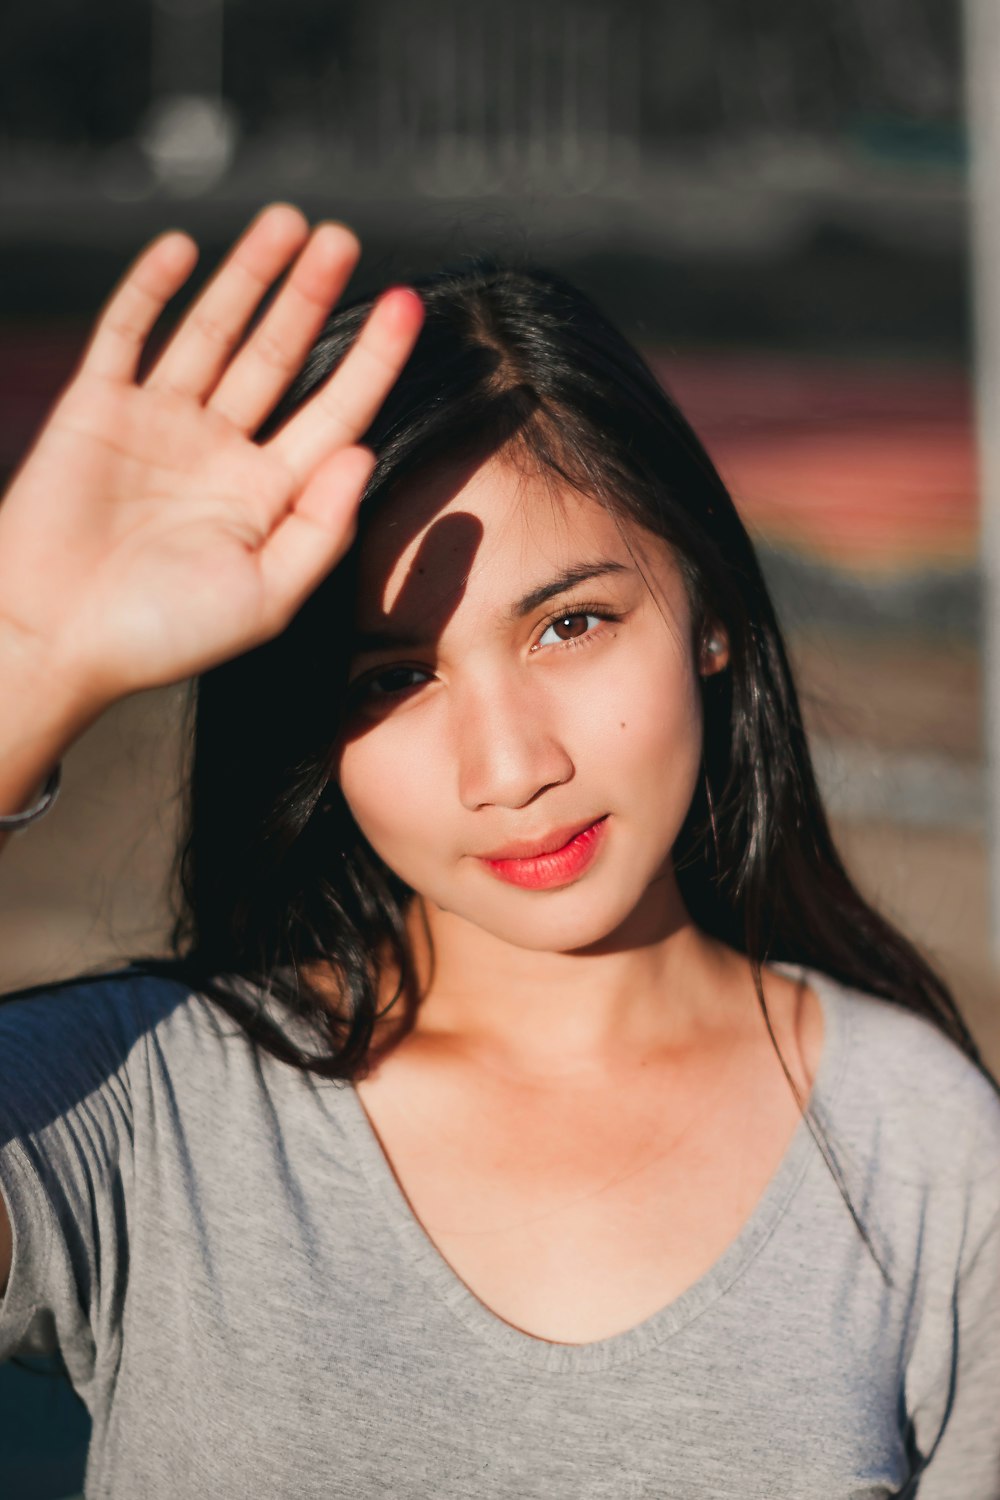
492,527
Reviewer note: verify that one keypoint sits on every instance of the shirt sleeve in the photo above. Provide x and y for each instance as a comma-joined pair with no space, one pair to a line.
65,1167
958,1427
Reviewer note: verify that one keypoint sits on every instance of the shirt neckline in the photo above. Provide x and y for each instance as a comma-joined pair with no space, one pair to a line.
486,1325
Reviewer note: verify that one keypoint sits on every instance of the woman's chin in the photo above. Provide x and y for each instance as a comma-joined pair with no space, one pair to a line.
540,924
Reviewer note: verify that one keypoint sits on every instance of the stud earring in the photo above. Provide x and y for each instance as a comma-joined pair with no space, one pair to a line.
714,652
712,649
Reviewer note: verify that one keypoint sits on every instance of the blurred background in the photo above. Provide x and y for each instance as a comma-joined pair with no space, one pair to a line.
770,199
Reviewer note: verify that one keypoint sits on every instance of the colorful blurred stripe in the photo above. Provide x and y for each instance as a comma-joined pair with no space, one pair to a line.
866,466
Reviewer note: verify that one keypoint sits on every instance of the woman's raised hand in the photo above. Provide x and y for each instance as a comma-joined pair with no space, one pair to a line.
147,536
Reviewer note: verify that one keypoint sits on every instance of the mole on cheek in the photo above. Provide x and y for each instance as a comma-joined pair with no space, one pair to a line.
623,723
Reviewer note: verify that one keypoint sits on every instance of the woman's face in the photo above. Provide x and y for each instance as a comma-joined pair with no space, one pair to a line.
515,680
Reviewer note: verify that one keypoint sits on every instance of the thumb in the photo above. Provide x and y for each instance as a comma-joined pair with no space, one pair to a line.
314,535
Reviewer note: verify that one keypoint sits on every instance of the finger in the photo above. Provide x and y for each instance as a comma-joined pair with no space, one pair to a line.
314,536
120,336
274,353
203,344
345,406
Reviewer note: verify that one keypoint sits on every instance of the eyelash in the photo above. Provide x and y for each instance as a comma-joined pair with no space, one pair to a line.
361,689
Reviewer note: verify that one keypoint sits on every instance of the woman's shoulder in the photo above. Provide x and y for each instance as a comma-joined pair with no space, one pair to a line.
896,1083
134,990
109,1015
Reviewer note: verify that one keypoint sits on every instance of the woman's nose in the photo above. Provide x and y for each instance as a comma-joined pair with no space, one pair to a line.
508,749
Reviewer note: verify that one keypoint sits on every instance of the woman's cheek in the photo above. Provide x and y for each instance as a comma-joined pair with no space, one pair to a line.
385,778
656,701
659,757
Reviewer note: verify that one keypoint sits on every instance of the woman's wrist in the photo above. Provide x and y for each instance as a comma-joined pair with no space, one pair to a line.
44,708
13,822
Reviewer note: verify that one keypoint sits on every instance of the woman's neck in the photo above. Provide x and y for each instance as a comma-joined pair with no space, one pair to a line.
544,1013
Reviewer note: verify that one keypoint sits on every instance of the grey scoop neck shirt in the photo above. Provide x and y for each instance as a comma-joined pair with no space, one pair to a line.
248,1306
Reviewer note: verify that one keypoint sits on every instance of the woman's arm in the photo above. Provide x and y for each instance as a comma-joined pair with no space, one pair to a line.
40,718
147,536
962,1452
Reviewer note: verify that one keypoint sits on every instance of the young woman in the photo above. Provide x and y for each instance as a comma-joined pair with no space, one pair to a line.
534,1108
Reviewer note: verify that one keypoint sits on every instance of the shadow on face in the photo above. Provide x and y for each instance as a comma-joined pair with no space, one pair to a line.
401,600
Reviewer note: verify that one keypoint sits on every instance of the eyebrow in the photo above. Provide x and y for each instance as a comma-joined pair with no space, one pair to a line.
389,640
572,576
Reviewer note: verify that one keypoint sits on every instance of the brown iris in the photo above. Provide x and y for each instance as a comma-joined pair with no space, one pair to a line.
567,620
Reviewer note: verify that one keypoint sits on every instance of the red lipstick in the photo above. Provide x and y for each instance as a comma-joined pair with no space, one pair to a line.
556,866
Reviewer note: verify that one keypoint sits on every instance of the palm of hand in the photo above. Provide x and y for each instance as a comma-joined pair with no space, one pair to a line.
168,499
148,536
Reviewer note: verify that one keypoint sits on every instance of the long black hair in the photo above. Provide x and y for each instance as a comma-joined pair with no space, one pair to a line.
281,891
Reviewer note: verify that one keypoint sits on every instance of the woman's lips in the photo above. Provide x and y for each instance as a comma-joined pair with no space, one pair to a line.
559,867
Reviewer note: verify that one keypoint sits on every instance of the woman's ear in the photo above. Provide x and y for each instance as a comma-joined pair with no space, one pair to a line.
713,650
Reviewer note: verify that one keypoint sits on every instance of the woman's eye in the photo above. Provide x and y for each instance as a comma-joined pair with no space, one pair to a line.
390,682
568,627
